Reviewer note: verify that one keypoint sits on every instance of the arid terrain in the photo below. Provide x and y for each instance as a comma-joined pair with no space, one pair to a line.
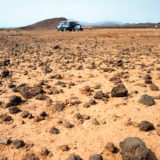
81,93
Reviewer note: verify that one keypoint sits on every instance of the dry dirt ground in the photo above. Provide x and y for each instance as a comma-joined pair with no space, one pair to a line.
64,71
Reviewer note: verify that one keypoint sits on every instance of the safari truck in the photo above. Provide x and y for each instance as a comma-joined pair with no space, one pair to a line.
69,26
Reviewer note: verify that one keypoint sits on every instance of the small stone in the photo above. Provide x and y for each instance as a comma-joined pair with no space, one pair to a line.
45,152
95,121
96,157
5,73
153,87
14,101
54,130
59,106
92,102
24,114
64,148
14,110
38,118
99,95
18,144
146,126
30,156
68,125
146,100
119,91
4,140
6,118
111,147
74,157
86,105
148,79
43,114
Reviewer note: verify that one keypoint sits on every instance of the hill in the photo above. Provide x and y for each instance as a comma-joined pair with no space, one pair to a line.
45,24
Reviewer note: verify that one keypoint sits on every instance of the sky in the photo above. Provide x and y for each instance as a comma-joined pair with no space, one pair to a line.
17,13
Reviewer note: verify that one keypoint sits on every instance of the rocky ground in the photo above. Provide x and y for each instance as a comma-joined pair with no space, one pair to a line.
91,95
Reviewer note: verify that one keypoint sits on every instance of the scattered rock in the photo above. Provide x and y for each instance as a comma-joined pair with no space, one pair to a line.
18,144
86,105
4,140
54,130
74,157
92,102
5,73
134,148
111,147
95,121
14,101
64,148
29,92
24,114
148,79
30,156
146,126
99,95
146,100
59,106
14,110
153,87
96,157
68,125
119,91
38,118
45,152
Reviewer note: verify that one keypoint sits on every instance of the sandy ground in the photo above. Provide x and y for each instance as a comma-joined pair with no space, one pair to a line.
81,59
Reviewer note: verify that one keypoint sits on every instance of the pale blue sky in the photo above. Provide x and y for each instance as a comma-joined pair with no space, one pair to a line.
15,13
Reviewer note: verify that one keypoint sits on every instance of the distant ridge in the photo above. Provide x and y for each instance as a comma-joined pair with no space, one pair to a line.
45,24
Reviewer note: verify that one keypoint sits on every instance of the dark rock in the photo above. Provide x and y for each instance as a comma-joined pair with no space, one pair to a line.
4,140
29,92
30,156
74,157
96,157
43,114
146,126
14,110
92,102
6,118
99,95
14,101
6,62
148,79
146,100
59,106
45,152
134,148
24,114
111,147
41,97
5,73
54,130
119,91
18,144
11,85
64,148
68,125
